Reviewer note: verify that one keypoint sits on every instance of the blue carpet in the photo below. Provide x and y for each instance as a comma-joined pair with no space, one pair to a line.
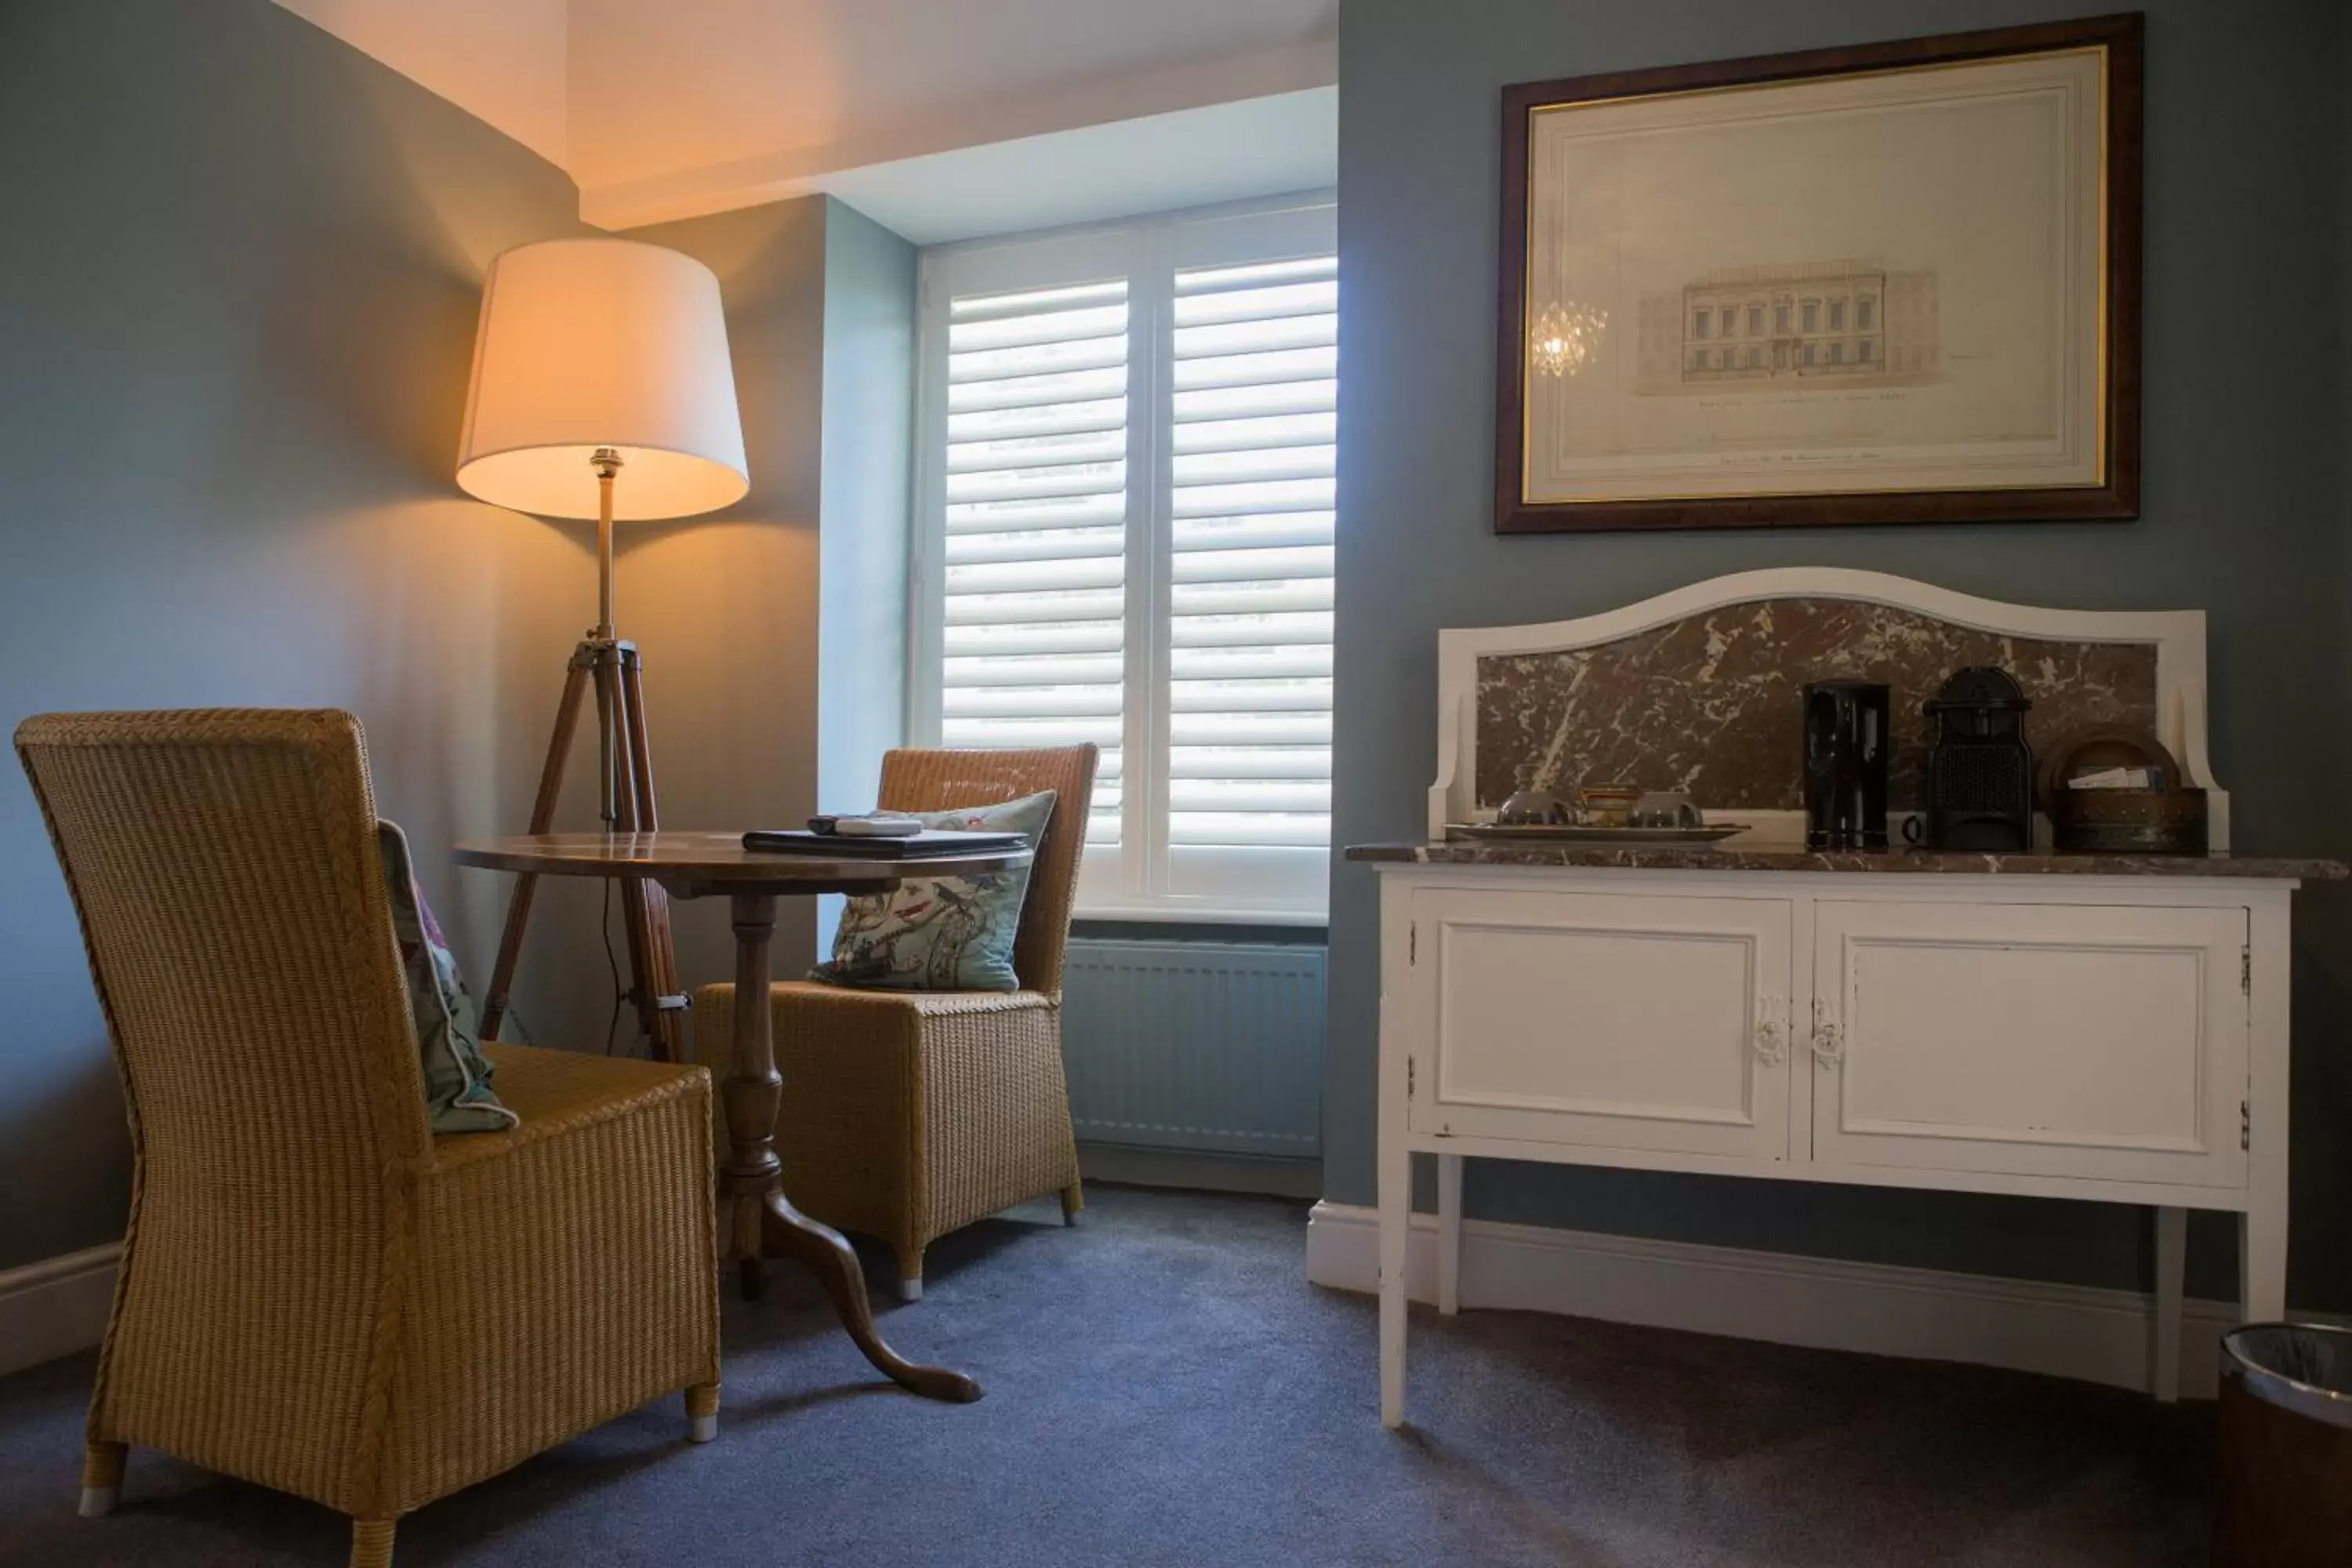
1165,1388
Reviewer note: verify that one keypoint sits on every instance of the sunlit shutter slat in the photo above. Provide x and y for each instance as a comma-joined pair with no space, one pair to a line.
1256,387
1034,640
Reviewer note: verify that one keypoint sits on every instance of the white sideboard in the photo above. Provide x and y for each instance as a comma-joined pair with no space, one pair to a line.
2108,1028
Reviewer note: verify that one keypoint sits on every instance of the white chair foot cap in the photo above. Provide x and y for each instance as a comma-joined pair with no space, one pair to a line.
702,1429
98,1502
910,1288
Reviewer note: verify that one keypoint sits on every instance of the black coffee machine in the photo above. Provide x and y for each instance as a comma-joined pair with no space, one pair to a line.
1847,748
1980,769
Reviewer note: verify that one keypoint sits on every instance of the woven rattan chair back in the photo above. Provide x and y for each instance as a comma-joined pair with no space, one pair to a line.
225,868
915,780
232,899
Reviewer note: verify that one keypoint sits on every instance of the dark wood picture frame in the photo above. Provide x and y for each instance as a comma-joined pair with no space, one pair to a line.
2116,497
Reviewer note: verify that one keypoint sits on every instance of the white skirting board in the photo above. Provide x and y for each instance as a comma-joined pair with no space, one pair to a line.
2064,1331
56,1307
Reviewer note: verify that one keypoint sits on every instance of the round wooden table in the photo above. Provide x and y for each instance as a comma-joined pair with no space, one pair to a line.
762,1221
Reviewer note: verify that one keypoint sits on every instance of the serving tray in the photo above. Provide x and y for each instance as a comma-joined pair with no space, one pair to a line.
1562,833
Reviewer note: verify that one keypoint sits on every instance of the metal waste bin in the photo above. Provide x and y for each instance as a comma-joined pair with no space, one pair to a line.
2285,1496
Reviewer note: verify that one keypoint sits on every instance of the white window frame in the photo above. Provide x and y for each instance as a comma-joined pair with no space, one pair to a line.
1127,882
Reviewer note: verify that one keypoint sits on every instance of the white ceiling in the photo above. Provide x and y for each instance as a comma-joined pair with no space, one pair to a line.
943,119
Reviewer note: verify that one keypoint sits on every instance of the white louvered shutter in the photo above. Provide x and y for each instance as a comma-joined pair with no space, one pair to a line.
1253,411
1127,539
1034,636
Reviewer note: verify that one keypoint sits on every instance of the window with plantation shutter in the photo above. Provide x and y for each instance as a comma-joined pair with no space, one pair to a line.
1126,534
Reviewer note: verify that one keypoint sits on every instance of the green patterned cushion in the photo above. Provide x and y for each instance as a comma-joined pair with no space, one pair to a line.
458,1094
949,933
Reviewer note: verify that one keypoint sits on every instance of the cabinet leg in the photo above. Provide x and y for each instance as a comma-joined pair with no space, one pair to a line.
2164,1344
1396,1205
1449,1234
2261,1265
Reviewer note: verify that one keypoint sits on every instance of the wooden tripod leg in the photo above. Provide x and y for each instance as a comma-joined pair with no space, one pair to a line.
654,954
542,814
644,908
639,750
611,709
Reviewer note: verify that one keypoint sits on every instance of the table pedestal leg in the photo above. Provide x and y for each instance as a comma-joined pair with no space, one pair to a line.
760,1219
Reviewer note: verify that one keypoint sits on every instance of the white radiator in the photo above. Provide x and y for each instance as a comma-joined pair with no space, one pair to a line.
1205,1045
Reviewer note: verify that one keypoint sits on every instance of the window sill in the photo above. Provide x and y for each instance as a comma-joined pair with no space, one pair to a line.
1176,913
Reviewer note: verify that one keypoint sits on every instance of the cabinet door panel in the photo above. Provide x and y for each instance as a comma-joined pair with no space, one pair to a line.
2095,1041
1624,1020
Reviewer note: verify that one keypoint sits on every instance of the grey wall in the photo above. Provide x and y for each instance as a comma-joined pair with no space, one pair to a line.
2245,505
238,280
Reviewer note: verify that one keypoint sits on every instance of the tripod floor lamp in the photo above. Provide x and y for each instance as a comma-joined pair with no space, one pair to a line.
602,388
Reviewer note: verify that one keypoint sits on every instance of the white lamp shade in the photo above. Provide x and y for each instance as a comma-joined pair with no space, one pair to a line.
602,342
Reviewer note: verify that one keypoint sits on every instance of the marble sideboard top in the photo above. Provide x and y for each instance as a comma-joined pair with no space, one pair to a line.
1784,857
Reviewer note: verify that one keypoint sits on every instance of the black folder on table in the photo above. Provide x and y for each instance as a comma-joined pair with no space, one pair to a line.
908,847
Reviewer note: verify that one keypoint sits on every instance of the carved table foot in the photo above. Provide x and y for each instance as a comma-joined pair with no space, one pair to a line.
788,1231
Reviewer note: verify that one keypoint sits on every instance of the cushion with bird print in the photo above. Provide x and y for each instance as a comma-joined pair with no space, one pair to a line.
943,933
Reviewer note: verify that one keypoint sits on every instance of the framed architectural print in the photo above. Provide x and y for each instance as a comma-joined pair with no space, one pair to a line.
1892,283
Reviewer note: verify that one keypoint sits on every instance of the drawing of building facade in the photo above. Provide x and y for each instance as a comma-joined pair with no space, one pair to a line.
1822,324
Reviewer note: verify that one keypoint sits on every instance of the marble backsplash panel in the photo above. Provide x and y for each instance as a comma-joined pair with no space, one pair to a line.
1710,704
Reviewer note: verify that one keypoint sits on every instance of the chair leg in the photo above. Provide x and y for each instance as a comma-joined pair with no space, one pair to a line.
911,1273
702,1413
372,1542
1073,1200
102,1477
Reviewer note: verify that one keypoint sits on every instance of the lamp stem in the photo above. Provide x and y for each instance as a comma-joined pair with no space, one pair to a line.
609,720
607,463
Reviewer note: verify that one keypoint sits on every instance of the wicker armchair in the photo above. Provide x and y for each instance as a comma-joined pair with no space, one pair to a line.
316,1293
908,1114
